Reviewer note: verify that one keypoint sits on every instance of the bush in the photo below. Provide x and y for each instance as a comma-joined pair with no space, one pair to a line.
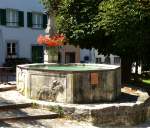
146,67
146,75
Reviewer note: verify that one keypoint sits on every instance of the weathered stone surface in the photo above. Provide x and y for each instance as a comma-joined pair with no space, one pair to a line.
100,84
104,114
107,114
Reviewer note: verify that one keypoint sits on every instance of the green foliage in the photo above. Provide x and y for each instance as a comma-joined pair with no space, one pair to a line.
112,26
76,18
146,81
51,5
58,109
127,21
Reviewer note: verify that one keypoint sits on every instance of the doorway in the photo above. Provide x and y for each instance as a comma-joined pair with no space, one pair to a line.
37,54
70,57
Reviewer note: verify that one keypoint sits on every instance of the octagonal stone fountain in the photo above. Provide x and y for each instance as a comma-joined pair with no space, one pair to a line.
72,86
69,83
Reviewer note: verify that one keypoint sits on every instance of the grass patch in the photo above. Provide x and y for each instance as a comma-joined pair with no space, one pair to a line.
146,81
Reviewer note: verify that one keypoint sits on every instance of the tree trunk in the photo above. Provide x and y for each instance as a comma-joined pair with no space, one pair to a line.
136,72
126,65
136,68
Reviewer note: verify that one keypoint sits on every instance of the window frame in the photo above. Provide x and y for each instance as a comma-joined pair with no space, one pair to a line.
99,60
12,17
12,53
36,23
117,60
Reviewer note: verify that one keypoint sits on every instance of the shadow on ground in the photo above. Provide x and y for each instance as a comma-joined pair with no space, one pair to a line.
124,97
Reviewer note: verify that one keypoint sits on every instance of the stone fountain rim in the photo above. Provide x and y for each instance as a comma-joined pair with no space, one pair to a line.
102,67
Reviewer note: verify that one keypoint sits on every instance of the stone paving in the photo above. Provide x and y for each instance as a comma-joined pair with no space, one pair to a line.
14,96
53,123
58,123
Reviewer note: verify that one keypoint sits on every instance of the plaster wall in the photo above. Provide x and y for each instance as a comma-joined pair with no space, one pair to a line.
24,36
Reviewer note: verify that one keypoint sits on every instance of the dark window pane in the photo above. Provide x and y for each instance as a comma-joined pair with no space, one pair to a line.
11,49
8,45
107,60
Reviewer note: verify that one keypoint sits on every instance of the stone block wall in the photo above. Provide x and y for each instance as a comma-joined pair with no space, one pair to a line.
89,86
108,87
118,116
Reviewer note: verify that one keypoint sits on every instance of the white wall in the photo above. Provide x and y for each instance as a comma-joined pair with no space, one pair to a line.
93,54
86,52
97,55
24,35
24,5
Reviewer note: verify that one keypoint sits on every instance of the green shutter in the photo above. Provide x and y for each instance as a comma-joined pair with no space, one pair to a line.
3,16
29,19
21,18
44,21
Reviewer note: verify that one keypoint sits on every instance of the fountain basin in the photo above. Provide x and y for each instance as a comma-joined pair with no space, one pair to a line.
69,83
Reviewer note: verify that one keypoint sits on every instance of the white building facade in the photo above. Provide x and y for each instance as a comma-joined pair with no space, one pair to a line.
87,56
21,21
92,56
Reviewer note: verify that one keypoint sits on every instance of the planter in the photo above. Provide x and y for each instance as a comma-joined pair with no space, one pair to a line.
50,54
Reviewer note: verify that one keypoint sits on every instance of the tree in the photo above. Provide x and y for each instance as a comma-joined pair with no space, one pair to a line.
127,21
75,18
112,26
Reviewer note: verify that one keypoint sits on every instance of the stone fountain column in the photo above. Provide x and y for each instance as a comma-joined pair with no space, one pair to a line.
51,53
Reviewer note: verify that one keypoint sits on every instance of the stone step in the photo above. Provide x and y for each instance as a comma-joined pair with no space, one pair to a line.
7,87
6,106
12,97
26,113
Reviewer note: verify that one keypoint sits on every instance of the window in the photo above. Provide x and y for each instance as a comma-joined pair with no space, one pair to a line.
116,60
107,60
37,20
86,58
12,17
98,60
11,49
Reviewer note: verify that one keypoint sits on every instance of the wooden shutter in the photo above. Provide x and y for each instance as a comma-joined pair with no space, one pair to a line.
21,18
29,19
44,21
3,16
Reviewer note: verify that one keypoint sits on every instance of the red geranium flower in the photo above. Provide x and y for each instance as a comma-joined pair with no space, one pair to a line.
56,40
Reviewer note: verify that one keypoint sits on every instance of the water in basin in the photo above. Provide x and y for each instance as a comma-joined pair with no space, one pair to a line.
67,67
